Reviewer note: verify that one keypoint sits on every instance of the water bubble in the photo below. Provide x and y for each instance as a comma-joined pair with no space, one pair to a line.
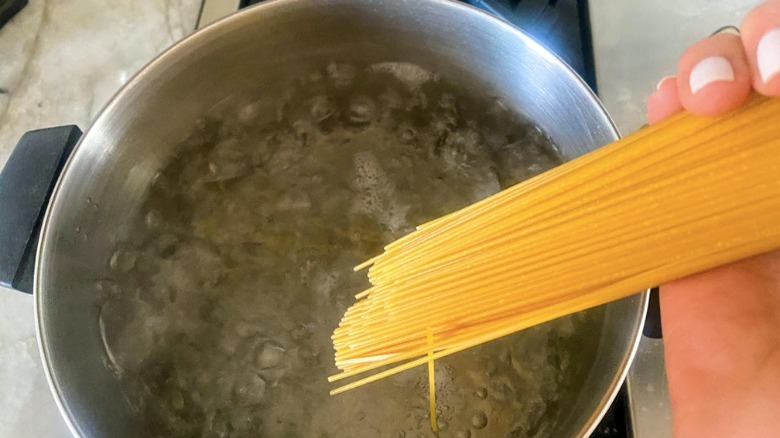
447,101
158,179
165,245
304,131
361,110
408,136
479,420
176,400
535,169
252,390
505,356
109,288
248,113
294,201
443,123
242,421
369,173
411,75
218,424
501,391
156,296
467,140
271,355
301,333
519,431
322,108
229,345
228,160
390,98
129,336
107,325
309,356
122,260
499,105
152,219
246,329
341,74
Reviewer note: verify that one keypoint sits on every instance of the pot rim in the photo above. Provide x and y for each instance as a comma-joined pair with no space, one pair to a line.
248,14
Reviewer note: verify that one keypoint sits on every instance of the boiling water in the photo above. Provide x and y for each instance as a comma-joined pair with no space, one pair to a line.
220,303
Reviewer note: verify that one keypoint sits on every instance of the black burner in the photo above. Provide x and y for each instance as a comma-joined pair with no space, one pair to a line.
9,8
563,26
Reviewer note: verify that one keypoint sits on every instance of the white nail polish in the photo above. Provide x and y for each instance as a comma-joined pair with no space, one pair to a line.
729,30
661,82
768,55
709,70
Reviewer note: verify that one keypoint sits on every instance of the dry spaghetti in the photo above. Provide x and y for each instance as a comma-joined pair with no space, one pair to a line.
669,201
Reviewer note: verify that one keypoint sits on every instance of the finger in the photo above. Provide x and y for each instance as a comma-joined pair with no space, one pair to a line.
761,39
665,101
720,331
713,76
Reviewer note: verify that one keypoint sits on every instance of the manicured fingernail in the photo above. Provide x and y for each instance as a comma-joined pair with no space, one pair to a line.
661,82
709,70
731,30
768,55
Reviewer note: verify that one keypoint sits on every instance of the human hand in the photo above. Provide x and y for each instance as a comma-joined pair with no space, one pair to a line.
722,327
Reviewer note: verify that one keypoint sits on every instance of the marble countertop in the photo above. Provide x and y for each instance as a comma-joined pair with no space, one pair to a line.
60,62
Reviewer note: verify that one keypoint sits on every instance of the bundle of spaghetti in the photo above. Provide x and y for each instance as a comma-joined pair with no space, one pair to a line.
671,200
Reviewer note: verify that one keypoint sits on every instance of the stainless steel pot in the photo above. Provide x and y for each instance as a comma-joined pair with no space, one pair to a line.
108,174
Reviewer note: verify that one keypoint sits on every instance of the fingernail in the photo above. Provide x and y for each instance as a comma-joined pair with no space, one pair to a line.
661,82
732,30
768,55
709,70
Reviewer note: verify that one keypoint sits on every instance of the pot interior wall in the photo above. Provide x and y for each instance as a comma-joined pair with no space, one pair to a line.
253,54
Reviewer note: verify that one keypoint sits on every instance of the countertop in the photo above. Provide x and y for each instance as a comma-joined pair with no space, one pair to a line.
60,61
